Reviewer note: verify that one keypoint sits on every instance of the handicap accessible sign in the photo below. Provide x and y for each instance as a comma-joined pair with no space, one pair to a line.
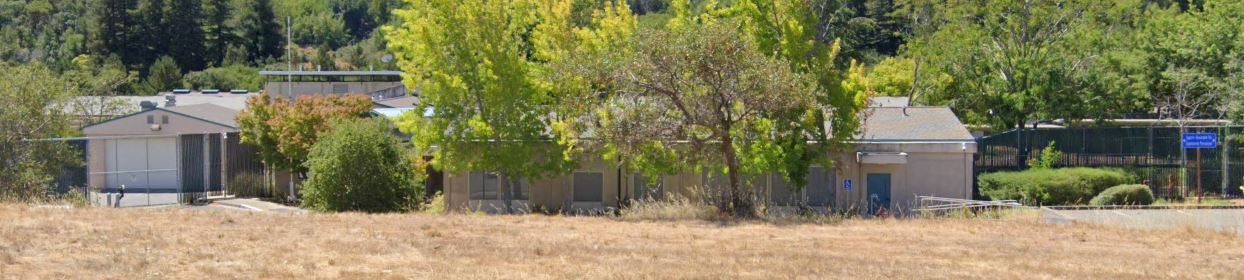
846,184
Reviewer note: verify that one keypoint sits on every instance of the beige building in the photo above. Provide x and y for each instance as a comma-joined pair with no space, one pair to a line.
901,153
167,150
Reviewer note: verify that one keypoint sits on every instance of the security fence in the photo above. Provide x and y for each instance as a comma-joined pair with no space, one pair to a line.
156,169
1152,153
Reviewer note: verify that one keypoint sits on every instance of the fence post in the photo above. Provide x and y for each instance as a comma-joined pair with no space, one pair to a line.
1226,161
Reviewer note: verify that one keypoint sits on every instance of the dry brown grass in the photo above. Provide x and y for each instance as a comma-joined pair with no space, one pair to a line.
38,243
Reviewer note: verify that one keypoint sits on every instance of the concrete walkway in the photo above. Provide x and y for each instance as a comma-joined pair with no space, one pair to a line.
1223,219
250,204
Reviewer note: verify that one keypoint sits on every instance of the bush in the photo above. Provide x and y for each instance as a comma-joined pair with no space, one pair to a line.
1124,195
225,78
1051,186
436,205
360,166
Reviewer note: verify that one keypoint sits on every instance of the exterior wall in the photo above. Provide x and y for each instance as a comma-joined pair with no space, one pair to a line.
552,194
944,171
317,88
934,169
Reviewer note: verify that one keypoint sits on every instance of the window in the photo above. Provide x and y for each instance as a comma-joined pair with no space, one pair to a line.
521,189
483,185
150,119
644,189
588,186
164,119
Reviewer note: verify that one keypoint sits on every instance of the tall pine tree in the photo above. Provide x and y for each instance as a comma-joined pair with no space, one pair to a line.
215,31
255,26
114,29
185,43
153,30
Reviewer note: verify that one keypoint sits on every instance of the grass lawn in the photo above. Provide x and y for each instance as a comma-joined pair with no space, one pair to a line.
178,243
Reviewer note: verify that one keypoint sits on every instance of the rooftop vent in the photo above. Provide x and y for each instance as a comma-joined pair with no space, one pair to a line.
170,100
209,91
181,91
239,91
147,105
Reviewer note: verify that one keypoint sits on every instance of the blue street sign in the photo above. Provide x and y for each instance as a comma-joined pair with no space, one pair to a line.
1200,140
846,184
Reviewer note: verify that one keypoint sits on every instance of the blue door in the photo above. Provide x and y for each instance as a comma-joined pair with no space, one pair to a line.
878,192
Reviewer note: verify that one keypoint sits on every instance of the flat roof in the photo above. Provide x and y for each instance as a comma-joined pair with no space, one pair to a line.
330,73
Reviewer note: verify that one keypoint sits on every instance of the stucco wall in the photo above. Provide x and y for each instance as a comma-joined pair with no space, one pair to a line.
936,169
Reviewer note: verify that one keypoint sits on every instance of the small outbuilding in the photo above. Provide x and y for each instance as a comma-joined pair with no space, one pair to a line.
167,151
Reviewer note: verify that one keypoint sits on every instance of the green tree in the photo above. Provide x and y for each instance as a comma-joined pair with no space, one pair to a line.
360,166
28,166
472,60
154,31
216,35
285,130
1016,61
230,77
98,82
710,86
115,30
186,45
164,75
253,23
807,36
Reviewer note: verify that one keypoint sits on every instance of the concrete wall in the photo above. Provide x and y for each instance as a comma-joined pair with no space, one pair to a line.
934,169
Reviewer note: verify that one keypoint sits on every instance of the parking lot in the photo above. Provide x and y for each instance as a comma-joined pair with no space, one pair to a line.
1220,218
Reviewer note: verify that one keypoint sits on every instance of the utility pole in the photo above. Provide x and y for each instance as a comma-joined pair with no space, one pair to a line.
289,77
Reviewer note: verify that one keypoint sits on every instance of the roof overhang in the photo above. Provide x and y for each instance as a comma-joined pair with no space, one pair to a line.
881,157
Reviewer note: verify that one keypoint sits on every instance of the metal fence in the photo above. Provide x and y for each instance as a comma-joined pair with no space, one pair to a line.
1152,153
156,169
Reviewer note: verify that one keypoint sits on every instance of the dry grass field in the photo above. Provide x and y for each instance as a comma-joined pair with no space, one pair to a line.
41,243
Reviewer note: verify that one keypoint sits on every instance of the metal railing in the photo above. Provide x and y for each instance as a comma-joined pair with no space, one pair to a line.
932,204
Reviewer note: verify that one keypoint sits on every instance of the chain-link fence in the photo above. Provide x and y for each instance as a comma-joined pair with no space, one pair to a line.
1152,153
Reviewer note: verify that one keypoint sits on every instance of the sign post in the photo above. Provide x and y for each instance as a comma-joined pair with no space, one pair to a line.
1199,141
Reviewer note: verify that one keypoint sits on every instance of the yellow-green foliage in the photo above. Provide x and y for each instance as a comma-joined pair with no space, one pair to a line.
436,205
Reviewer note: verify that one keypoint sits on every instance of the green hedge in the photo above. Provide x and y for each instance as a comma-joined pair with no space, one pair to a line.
1062,186
1124,195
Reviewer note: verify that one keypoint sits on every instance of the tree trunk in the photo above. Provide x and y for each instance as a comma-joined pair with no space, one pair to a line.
506,194
739,201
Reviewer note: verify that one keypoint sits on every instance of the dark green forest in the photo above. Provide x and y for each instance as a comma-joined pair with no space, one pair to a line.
997,63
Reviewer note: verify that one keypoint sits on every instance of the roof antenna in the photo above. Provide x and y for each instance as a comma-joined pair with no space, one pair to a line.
289,58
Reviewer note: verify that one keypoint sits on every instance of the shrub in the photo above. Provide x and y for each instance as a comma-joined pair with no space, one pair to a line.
673,207
1124,195
1052,186
436,205
360,166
